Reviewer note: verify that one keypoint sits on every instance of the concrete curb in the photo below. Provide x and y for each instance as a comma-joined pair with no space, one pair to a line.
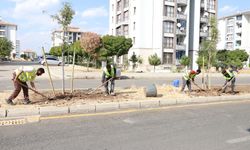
107,107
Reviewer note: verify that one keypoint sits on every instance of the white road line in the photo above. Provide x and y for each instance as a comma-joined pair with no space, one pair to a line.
238,140
129,121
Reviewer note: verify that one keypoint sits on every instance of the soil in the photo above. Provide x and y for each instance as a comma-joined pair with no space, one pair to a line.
129,94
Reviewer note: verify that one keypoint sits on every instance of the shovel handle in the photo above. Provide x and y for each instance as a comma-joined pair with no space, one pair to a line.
100,85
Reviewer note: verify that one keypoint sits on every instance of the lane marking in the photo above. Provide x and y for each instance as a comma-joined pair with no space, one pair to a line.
140,110
129,121
239,140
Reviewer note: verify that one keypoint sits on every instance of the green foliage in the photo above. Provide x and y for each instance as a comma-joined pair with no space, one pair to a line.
56,51
185,61
24,56
208,46
154,60
115,45
65,15
236,58
5,47
134,60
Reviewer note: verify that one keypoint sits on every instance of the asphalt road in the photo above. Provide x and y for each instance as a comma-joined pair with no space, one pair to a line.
7,68
208,127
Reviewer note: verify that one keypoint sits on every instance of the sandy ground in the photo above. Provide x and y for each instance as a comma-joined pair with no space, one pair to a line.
131,94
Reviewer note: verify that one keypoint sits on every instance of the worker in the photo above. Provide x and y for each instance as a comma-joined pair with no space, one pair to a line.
188,77
20,77
230,77
108,76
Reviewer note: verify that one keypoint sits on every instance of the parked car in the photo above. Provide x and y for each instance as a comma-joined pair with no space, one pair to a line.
51,61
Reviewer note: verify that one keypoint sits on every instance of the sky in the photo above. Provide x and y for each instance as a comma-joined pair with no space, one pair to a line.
35,24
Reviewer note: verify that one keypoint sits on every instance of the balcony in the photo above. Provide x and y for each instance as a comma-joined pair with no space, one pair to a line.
184,2
204,34
167,18
181,31
169,3
181,16
204,19
202,4
180,46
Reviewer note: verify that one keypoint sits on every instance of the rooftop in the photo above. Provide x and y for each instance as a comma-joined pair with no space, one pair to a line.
236,14
7,23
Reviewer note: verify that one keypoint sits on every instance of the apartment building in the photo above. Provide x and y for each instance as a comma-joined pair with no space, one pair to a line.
72,35
234,32
169,28
8,30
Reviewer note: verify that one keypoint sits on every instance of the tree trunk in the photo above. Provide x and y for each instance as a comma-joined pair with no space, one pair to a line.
88,64
63,84
154,68
73,71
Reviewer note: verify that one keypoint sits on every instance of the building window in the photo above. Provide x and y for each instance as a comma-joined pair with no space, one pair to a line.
170,0
134,40
126,16
168,27
230,29
229,46
168,42
134,10
125,30
211,4
119,31
112,19
126,3
169,11
112,7
118,18
239,17
134,26
167,58
119,6
2,33
2,27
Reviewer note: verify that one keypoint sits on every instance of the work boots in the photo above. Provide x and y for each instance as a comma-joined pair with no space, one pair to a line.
9,101
26,101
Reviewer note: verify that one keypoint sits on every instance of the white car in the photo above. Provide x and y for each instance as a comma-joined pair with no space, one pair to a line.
51,61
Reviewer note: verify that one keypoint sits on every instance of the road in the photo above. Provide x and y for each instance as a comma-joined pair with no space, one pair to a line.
43,82
198,127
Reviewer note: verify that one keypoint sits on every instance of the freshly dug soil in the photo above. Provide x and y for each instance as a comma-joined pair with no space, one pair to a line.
129,94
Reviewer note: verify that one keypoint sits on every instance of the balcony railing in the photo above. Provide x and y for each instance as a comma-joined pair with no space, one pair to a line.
180,46
204,34
181,16
181,31
182,2
204,19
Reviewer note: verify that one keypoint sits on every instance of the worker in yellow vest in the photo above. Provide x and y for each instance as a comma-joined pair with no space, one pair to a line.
229,77
20,77
188,77
109,75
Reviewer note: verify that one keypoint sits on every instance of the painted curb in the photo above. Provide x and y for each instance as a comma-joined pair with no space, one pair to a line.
129,105
150,104
2,113
53,110
19,112
82,109
107,107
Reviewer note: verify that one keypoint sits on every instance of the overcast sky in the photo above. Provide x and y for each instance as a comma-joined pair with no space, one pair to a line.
34,26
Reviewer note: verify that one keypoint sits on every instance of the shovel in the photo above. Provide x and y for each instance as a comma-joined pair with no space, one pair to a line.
49,98
198,87
99,86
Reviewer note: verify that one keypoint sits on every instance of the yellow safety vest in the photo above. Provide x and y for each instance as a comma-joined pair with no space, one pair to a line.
27,76
109,75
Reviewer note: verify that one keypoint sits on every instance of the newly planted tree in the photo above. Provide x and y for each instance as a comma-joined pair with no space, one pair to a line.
64,18
154,60
134,60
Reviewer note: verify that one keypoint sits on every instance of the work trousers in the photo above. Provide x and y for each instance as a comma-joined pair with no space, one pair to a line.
18,88
232,85
184,83
109,86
